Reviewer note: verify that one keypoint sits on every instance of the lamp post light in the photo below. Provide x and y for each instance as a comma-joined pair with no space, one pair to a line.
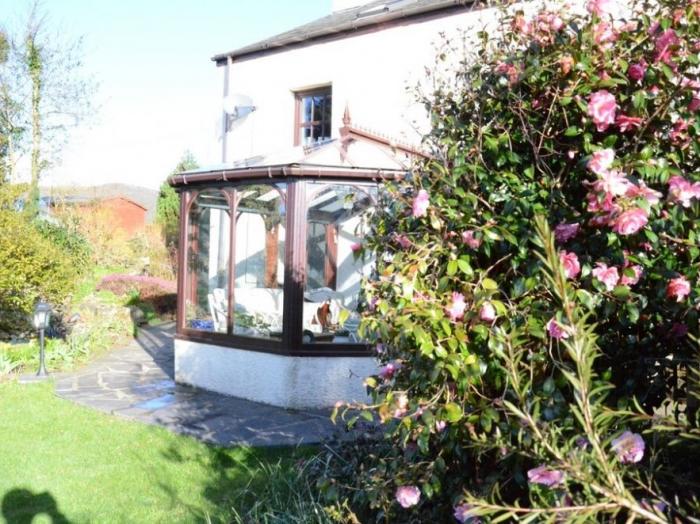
42,317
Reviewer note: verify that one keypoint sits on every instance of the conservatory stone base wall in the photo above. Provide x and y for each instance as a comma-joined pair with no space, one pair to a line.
285,381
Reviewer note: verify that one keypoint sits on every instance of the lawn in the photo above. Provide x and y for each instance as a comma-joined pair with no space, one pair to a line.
71,464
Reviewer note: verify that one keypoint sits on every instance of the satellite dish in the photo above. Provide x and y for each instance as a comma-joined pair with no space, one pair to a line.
238,106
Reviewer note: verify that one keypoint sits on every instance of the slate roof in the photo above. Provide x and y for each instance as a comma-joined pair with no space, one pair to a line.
345,21
142,196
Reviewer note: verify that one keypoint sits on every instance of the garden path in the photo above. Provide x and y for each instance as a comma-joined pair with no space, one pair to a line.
136,382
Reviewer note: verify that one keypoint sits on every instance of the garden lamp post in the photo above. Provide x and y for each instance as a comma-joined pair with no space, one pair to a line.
42,317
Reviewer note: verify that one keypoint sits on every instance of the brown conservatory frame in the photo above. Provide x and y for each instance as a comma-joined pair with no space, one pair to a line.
190,184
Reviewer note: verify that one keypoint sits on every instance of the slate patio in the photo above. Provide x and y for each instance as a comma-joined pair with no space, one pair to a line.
136,382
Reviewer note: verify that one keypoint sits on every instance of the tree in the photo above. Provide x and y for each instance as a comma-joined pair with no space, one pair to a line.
11,130
168,205
43,94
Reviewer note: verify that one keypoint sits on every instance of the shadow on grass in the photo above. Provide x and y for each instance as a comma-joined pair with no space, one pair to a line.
20,506
233,477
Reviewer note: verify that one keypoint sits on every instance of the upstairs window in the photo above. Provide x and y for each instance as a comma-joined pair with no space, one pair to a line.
313,116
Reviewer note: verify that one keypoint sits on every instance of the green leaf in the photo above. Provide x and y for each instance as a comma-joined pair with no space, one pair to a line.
464,267
453,412
487,283
621,292
452,267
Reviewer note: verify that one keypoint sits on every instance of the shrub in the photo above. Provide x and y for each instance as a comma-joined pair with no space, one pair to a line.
524,378
156,293
168,205
68,238
151,255
31,266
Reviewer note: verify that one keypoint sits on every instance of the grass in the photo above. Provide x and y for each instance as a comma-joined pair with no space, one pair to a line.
73,464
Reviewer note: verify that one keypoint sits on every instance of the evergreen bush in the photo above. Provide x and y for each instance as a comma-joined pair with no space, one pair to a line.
533,374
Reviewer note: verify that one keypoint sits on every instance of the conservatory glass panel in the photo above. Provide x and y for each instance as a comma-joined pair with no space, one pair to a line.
337,217
259,261
208,248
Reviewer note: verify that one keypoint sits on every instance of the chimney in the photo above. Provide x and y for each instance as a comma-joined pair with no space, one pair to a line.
339,5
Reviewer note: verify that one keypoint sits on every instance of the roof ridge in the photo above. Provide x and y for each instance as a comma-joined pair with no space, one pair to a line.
339,23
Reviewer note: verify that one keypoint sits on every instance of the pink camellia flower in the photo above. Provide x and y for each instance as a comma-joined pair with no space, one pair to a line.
464,514
469,239
602,203
694,104
629,447
678,288
570,262
665,44
356,246
388,371
637,71
679,133
545,476
631,221
457,307
565,232
682,191
632,280
627,123
487,313
403,241
521,25
565,64
607,275
604,34
601,7
421,203
401,406
645,192
556,330
601,161
613,182
509,70
556,23
407,496
602,108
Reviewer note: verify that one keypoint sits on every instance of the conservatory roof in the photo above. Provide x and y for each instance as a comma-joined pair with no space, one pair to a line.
357,154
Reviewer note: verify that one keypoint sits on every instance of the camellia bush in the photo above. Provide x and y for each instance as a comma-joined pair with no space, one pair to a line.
535,306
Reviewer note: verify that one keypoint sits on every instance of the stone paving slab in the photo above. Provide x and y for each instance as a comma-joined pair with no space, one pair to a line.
136,382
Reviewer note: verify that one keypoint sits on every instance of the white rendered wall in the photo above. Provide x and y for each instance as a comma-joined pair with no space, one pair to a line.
289,382
369,71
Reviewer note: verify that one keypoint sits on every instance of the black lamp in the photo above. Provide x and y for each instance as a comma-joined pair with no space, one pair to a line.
42,318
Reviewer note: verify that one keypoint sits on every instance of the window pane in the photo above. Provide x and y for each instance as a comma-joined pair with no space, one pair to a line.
259,262
315,109
337,220
318,108
306,136
307,109
208,247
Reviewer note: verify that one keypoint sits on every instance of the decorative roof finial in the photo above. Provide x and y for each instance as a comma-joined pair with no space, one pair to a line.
346,116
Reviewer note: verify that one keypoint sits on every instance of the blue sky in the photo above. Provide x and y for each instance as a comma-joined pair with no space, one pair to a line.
159,94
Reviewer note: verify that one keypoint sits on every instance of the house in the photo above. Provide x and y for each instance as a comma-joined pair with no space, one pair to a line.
314,119
128,208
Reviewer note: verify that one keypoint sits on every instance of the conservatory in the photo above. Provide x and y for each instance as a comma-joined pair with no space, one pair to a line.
269,280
